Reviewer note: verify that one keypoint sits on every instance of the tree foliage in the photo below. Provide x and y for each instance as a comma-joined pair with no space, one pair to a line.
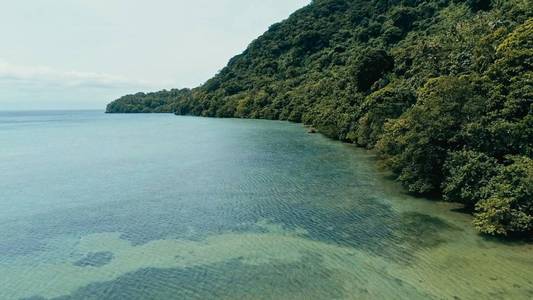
507,207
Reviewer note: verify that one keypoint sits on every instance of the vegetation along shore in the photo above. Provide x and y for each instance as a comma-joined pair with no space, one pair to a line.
442,90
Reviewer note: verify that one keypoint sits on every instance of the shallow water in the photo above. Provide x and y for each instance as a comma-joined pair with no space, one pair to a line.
96,206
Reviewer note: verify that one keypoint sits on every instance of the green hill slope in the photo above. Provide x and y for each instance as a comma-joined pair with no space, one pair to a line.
443,90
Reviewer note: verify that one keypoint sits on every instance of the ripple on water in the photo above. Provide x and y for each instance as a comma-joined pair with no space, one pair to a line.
236,178
235,279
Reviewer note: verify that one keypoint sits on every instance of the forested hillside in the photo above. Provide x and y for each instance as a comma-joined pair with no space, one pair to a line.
158,102
443,90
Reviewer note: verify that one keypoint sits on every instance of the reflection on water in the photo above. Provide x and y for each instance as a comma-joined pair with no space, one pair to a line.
98,206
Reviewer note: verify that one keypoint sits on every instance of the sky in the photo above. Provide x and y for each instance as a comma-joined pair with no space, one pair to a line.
82,54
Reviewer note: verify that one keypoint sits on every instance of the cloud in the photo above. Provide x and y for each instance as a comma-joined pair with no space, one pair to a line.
42,87
42,76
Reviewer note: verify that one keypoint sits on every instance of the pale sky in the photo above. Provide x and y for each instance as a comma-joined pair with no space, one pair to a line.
78,54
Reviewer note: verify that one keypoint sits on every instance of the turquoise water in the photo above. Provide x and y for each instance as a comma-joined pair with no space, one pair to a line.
96,206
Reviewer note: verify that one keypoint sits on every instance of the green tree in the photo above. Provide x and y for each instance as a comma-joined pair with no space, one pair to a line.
416,145
508,207
466,173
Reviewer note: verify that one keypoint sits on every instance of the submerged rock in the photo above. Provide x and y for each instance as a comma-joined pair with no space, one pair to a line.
96,259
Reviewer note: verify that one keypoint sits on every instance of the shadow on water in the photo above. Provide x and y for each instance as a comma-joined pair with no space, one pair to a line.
422,230
517,240
462,210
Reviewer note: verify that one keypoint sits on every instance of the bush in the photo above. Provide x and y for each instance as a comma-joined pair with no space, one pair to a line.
466,174
508,207
415,146
379,107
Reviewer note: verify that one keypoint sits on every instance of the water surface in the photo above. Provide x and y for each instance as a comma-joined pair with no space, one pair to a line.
96,206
